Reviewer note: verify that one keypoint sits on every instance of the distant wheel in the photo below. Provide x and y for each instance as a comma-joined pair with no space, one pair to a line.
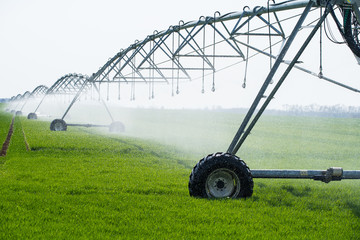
221,175
32,116
117,127
18,113
58,125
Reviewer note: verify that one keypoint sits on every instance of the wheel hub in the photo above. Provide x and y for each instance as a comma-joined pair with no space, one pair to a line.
222,183
58,127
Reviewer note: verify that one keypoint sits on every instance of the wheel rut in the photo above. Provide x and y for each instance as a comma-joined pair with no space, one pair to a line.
6,144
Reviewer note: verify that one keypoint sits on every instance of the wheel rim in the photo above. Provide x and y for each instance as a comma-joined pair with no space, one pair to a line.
58,126
32,116
222,183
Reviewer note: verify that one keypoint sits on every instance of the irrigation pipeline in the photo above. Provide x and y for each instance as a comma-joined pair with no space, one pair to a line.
86,125
326,176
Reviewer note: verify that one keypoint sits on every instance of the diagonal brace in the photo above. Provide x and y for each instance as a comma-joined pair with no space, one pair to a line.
268,79
283,77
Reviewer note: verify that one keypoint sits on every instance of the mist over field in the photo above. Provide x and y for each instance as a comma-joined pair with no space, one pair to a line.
287,139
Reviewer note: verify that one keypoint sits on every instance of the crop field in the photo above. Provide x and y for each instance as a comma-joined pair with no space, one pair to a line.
90,184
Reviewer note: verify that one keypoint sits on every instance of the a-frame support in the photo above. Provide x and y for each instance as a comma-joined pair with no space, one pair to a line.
245,129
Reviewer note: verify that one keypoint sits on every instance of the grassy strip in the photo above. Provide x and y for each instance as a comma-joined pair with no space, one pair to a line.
17,145
24,135
79,185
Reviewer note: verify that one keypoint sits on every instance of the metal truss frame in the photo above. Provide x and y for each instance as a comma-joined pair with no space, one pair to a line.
162,57
68,84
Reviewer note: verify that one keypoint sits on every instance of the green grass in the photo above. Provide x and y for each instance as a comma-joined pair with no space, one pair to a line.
81,185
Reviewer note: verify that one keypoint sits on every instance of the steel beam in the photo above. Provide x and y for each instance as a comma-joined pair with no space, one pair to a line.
269,78
243,134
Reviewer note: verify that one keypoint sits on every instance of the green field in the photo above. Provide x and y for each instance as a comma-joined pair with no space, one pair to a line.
89,184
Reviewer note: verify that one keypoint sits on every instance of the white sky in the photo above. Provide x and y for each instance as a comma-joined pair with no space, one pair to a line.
42,40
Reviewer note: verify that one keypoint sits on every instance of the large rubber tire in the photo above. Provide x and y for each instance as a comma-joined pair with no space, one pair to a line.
18,113
58,125
221,175
32,116
117,127
351,31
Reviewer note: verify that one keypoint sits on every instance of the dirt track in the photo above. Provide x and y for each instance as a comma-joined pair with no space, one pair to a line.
6,144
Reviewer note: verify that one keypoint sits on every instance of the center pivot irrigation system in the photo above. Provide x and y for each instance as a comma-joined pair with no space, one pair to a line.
20,101
199,50
224,174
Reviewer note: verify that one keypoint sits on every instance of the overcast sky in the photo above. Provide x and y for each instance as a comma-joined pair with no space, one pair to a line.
42,40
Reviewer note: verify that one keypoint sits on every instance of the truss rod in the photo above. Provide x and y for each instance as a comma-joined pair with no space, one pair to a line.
134,80
270,25
272,8
228,42
199,50
213,55
258,34
186,68
75,99
154,67
304,69
174,59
